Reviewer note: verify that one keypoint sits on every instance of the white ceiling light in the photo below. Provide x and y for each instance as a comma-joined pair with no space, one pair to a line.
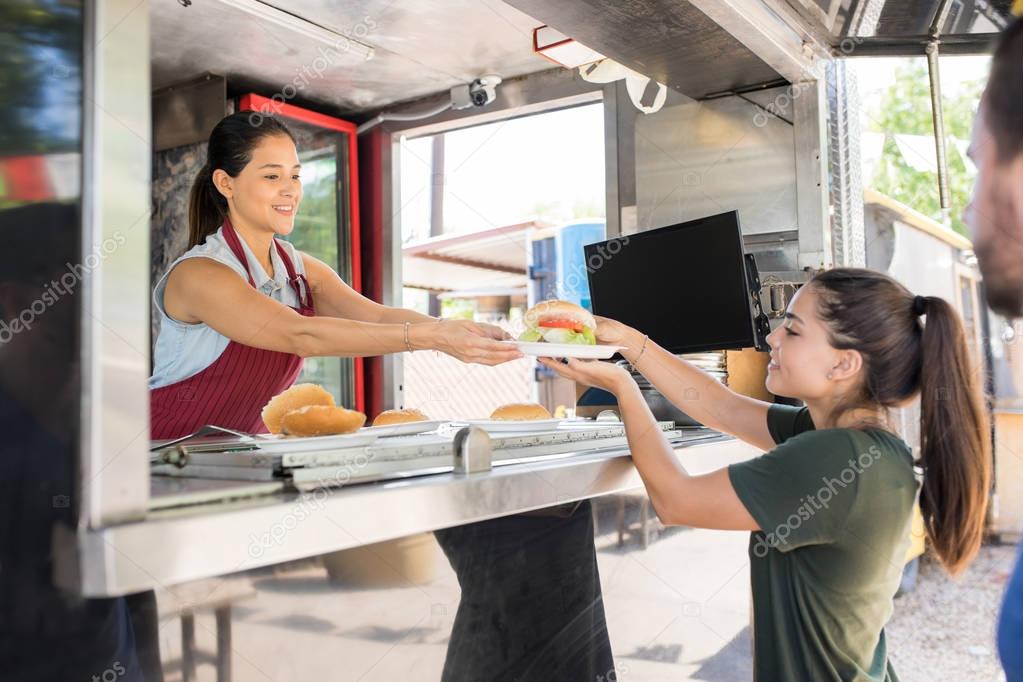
560,49
303,27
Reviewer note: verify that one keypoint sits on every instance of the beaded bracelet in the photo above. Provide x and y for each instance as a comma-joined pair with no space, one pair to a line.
646,337
408,344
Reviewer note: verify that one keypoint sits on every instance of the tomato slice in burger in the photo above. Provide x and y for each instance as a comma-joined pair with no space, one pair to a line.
562,324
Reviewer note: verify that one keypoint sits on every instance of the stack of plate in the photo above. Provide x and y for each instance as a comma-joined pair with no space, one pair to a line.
713,363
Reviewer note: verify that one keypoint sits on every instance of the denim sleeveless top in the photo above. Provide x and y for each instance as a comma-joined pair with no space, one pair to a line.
184,349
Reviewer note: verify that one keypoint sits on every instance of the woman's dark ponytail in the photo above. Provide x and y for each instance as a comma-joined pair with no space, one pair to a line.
905,356
206,207
955,448
230,150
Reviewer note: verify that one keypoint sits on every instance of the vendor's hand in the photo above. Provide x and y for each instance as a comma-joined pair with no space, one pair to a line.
465,340
605,375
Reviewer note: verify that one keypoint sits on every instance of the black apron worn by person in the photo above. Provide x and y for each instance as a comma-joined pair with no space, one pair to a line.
531,606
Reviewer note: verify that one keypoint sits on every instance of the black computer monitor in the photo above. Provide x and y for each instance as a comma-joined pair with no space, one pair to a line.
685,285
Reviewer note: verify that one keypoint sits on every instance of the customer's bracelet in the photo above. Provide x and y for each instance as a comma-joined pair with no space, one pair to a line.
646,337
408,344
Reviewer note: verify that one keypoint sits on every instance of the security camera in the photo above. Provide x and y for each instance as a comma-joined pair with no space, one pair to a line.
480,92
484,89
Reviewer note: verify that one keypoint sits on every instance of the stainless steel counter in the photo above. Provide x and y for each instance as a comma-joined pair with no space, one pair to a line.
266,525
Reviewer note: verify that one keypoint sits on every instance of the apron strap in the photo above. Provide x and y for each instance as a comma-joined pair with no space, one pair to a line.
231,237
298,282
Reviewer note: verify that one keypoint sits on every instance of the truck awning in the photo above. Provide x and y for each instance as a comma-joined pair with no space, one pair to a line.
493,258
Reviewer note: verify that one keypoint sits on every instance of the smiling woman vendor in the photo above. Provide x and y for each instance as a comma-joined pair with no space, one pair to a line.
241,309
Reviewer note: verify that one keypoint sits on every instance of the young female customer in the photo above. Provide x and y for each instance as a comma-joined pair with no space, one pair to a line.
830,502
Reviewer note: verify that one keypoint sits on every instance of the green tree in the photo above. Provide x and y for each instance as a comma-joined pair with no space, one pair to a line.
905,108
40,53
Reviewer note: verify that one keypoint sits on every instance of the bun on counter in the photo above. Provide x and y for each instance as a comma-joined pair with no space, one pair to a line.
521,412
299,395
388,417
321,420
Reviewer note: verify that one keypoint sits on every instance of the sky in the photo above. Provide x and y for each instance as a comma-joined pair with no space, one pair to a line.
500,173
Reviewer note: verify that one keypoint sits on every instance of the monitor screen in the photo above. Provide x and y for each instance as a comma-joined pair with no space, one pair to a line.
685,285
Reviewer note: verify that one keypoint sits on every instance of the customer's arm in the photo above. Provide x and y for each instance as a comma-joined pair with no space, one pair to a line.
692,390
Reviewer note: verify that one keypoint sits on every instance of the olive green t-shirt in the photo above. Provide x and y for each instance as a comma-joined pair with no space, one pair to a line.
834,507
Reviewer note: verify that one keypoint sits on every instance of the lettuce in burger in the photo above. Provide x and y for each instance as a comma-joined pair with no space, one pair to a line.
559,322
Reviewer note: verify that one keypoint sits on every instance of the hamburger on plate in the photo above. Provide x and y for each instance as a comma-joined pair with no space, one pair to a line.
557,321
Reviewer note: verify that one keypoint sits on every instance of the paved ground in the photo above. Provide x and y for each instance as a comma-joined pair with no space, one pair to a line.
676,611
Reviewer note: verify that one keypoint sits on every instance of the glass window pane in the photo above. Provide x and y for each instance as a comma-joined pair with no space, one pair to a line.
321,231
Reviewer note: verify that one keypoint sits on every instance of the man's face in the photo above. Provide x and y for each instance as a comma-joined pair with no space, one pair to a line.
995,219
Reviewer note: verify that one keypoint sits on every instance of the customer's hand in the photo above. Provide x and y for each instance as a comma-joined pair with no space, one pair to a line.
614,333
605,375
468,341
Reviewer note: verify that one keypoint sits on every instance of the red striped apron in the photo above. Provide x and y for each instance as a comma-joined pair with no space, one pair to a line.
233,390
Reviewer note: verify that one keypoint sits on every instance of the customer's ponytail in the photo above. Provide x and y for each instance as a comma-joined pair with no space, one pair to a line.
230,150
913,345
955,446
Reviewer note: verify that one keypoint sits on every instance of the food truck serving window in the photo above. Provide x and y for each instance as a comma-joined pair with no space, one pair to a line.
685,284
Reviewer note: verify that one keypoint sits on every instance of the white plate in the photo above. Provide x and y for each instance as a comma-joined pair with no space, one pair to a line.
406,429
281,444
566,350
514,425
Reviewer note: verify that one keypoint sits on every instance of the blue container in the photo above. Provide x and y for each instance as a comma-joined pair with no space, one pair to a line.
572,283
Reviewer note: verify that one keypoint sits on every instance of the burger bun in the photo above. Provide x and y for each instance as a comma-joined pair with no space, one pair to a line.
389,417
299,395
521,412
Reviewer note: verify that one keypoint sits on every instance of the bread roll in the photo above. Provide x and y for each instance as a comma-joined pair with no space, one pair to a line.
321,420
521,412
295,397
388,417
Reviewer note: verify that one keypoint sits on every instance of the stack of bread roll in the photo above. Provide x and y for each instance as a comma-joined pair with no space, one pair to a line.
309,410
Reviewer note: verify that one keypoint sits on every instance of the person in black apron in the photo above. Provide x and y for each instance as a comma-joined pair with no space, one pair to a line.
47,632
531,605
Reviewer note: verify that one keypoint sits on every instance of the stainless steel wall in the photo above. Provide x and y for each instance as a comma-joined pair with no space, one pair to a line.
700,158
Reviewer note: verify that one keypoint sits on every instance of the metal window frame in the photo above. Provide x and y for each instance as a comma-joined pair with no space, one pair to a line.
536,93
348,175
113,483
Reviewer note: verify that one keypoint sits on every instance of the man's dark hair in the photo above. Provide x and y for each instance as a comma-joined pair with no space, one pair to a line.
1003,106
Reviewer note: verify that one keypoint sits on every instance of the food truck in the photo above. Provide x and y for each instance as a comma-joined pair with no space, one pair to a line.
273,562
